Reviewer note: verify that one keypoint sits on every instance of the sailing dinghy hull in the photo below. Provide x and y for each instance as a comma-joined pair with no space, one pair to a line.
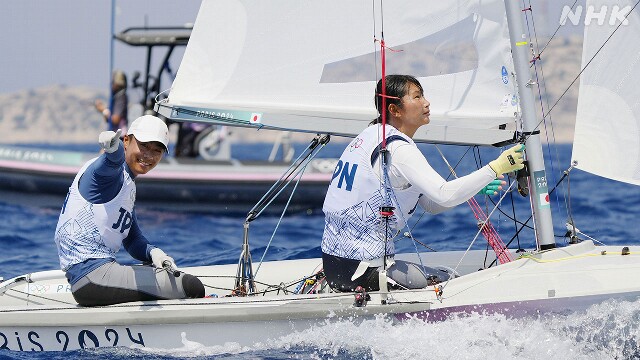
41,315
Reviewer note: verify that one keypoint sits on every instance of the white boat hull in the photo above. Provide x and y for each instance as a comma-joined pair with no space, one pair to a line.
42,316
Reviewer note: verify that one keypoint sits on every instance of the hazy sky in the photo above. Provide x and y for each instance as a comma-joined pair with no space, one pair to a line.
45,42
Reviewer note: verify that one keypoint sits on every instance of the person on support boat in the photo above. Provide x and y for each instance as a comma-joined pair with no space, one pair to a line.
116,115
353,242
98,217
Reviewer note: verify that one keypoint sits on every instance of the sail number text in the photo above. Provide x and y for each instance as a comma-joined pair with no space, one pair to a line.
541,181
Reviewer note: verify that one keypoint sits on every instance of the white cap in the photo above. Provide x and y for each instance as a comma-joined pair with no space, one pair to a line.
148,128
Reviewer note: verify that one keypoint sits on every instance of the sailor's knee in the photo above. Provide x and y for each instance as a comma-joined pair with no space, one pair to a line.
193,287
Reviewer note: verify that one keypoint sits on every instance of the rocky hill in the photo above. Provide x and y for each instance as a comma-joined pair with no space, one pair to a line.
55,114
64,114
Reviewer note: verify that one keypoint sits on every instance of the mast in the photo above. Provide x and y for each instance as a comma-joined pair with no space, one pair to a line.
539,193
112,38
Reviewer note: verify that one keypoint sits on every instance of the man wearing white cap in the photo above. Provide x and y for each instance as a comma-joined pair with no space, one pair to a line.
98,217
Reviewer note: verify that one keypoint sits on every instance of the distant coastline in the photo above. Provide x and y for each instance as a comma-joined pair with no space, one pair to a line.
65,114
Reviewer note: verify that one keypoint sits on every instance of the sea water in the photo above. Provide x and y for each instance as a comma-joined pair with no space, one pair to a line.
604,210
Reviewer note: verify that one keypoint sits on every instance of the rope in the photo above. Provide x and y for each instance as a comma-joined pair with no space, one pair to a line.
384,95
278,224
41,297
386,210
540,85
294,170
406,225
490,233
603,253
487,229
554,33
299,171
477,234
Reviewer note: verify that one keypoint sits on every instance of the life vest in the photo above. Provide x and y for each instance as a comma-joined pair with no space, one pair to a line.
353,226
93,231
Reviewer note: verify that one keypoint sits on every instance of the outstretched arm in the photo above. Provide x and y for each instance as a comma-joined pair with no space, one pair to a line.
103,179
439,194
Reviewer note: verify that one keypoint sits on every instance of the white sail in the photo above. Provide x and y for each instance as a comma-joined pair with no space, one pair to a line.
288,70
607,132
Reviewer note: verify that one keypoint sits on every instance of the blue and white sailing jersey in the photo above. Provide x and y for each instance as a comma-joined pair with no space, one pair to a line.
353,225
93,231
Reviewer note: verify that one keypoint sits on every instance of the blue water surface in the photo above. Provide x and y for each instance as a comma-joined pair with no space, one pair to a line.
602,209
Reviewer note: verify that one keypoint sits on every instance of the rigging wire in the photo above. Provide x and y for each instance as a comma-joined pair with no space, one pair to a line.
275,230
487,229
478,161
488,200
513,210
281,217
569,205
386,209
555,32
496,205
291,173
375,48
312,150
589,62
42,297
517,224
541,87
476,236
392,194
296,169
582,70
524,225
409,235
571,222
447,178
512,218
112,40
535,58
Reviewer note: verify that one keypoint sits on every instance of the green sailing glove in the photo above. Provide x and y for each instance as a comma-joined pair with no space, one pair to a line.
510,160
493,187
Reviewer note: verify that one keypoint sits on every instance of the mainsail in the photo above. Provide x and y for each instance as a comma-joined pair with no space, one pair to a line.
607,132
312,66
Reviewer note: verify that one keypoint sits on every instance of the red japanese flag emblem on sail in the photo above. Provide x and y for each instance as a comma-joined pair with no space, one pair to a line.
255,118
544,199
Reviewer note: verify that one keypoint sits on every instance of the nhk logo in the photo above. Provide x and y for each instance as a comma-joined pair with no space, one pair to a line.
613,16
